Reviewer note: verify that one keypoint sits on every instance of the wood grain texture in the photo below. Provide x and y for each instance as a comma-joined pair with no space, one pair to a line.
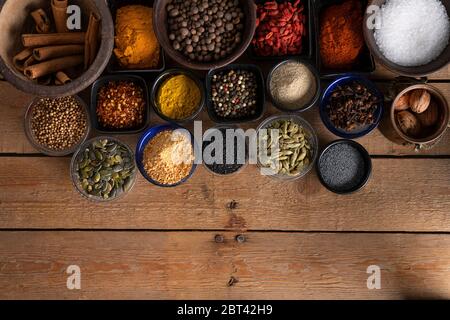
382,141
403,195
190,265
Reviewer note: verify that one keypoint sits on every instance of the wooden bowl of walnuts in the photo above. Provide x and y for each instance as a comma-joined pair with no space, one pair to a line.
420,114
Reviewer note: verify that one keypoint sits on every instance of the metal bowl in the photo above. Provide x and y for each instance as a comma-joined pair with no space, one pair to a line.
310,103
417,71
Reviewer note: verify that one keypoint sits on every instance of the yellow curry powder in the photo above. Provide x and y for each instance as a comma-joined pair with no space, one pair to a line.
178,97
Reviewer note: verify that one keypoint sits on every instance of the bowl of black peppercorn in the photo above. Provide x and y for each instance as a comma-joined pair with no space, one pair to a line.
235,94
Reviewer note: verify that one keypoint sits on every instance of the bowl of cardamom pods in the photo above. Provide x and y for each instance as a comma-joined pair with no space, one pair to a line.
287,147
103,169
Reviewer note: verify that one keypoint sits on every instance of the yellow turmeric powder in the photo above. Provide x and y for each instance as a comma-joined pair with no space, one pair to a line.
178,97
136,43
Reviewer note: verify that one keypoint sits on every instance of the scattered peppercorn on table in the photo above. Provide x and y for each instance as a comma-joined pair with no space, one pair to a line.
220,236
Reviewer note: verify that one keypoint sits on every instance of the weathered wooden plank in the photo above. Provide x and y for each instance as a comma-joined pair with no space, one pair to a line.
190,265
403,195
13,139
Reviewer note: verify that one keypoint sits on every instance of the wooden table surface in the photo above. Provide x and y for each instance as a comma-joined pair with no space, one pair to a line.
301,241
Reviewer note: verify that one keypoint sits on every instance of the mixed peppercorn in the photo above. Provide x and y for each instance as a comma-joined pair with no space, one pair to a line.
234,94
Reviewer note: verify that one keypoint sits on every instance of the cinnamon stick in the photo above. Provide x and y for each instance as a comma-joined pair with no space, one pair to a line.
46,53
59,9
91,41
20,59
30,61
52,66
62,78
41,20
42,40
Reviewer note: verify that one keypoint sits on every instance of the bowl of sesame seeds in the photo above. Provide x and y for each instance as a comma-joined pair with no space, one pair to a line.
57,127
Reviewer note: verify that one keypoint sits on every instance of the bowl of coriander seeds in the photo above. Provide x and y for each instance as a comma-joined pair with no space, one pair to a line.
57,127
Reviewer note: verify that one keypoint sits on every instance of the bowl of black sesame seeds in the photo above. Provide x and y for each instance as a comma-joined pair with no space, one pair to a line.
57,127
225,150
235,94
344,167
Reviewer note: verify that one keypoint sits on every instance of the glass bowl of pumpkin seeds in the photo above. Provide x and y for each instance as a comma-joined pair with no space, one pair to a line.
287,147
103,169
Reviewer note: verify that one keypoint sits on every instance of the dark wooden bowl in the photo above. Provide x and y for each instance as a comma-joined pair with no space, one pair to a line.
418,71
15,20
161,31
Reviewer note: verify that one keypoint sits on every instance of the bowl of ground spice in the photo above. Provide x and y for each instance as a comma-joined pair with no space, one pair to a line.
56,127
165,155
340,38
136,47
119,104
178,95
344,167
351,107
293,85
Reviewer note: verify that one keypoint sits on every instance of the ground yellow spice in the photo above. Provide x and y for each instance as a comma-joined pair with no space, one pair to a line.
178,97
136,43
168,157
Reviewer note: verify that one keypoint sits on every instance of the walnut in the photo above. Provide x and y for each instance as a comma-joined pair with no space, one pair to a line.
419,100
430,117
408,123
402,103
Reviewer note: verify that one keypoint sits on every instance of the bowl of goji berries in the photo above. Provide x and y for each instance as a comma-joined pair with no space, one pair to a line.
283,29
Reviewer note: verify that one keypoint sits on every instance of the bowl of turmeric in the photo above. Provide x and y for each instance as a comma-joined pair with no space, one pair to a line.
178,96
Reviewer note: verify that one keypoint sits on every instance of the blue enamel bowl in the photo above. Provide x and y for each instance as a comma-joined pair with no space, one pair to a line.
148,135
361,131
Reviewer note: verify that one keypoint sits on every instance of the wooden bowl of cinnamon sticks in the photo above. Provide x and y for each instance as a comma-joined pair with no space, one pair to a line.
54,48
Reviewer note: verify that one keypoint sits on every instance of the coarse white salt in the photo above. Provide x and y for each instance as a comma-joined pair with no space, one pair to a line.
413,32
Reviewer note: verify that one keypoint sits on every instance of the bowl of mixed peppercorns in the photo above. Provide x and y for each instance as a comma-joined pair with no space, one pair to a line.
235,93
57,127
204,34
